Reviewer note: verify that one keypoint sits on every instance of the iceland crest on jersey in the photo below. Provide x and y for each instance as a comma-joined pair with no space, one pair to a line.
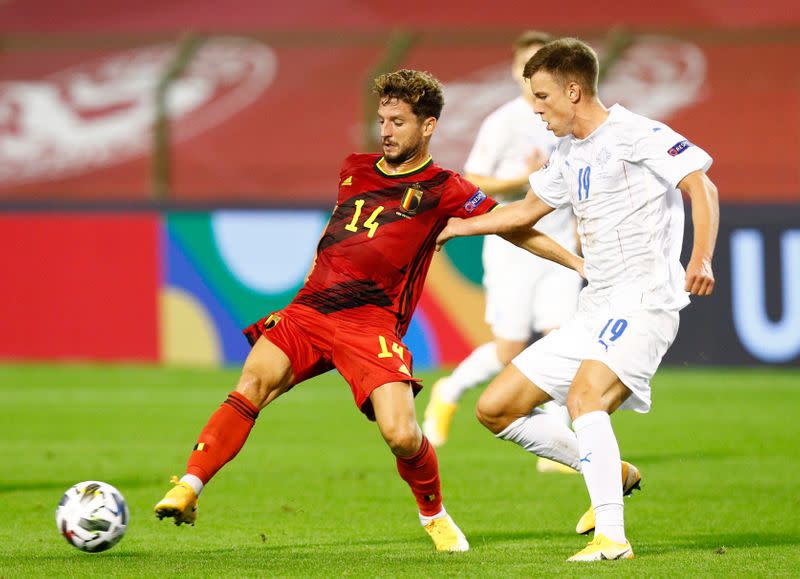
474,201
679,148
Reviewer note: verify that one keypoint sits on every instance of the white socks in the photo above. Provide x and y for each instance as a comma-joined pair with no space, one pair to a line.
602,468
560,412
193,482
424,520
545,434
481,365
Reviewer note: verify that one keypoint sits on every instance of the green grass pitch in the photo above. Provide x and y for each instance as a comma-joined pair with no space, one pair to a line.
315,490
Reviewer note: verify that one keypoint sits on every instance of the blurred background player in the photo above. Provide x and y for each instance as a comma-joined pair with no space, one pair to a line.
524,294
356,305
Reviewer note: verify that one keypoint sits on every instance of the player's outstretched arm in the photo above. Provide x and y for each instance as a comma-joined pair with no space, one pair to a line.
518,215
545,247
500,189
509,189
705,218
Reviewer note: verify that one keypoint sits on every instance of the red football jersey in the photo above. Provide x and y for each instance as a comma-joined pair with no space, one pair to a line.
373,258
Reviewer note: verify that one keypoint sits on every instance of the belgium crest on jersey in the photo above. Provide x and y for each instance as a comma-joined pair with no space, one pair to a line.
412,199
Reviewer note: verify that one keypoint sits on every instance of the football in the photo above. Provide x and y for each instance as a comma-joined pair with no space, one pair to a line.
92,516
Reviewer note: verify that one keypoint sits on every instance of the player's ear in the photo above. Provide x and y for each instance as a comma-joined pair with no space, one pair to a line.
574,92
428,126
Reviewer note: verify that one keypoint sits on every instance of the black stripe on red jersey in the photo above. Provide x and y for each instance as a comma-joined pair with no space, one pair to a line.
343,214
336,232
345,296
406,309
416,171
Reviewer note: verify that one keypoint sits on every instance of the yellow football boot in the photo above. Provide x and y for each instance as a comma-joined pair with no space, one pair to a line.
601,548
547,465
631,477
438,417
446,535
179,503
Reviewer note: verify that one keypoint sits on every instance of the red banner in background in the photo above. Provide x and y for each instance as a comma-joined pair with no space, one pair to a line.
347,15
79,287
270,123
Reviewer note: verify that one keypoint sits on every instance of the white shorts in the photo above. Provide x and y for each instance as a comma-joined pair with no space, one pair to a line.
630,342
525,293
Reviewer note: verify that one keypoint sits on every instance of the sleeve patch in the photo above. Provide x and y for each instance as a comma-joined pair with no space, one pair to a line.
678,148
474,201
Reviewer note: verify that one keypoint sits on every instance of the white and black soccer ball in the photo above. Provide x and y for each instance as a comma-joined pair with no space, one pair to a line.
92,516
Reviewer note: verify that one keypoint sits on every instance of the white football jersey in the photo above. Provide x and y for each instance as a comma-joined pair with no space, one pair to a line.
506,139
622,184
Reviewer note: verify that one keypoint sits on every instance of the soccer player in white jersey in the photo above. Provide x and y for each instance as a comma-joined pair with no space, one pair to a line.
524,294
623,175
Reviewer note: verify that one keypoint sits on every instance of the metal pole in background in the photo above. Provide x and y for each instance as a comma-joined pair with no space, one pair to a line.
161,165
400,43
618,41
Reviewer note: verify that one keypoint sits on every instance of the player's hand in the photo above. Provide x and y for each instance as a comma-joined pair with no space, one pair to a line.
448,233
699,277
579,267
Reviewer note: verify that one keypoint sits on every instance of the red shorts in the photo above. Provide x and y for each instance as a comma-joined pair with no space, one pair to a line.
367,357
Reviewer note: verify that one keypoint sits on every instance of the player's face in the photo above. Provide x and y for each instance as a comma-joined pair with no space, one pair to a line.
403,135
552,102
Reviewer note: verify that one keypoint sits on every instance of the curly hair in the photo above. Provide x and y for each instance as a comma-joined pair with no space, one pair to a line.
418,88
568,60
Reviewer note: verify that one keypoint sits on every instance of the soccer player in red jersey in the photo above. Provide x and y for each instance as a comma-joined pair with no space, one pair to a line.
357,303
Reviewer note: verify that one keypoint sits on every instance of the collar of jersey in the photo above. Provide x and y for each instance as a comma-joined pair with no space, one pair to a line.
417,169
613,113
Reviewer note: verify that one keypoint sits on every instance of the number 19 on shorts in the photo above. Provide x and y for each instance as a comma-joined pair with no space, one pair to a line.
611,332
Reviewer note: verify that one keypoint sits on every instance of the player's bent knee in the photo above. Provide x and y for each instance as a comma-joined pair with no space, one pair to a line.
582,401
404,442
573,407
256,388
491,415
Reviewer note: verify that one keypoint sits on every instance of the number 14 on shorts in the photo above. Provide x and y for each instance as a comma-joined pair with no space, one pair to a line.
611,332
384,349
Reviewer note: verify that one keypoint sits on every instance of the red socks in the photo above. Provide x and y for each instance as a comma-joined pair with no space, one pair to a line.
228,428
223,436
421,472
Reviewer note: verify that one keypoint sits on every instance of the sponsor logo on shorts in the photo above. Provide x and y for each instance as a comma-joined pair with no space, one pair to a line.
679,148
474,201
